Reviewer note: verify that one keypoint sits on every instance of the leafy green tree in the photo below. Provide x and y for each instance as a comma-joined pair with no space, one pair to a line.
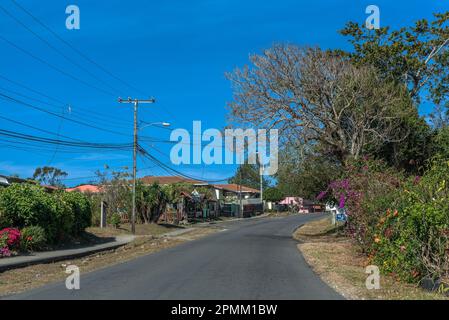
273,194
50,176
416,55
248,175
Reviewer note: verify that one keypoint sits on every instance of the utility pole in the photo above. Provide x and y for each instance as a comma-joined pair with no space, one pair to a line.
136,103
240,194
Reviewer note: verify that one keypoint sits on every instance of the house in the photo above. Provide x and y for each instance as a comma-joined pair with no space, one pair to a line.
229,196
301,205
191,205
85,188
6,180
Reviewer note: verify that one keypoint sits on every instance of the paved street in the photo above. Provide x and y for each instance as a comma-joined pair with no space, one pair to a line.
252,259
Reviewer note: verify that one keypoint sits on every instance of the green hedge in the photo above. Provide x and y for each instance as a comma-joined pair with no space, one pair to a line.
60,214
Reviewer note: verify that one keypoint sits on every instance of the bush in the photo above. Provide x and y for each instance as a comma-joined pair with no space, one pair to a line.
115,220
9,240
60,214
25,205
33,239
367,189
413,236
81,208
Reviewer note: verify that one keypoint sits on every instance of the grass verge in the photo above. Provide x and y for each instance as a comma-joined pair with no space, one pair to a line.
339,263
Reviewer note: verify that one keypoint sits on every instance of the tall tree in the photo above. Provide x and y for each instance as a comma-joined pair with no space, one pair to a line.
50,176
319,98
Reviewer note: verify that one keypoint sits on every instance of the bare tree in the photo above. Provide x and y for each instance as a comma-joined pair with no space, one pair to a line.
318,98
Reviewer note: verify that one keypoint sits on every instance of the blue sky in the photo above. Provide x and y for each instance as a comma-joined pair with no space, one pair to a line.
176,51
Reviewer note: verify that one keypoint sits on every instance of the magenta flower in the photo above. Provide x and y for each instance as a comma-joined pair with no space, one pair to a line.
342,201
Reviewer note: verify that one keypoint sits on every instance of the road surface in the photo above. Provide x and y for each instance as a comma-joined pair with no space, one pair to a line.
253,259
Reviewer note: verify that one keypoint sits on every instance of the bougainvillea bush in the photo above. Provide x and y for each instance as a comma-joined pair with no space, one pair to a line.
401,223
366,190
9,241
413,236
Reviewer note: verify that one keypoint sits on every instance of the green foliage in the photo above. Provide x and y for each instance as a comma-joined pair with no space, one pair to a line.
115,220
33,239
81,208
413,236
248,175
60,214
26,205
273,194
50,176
404,55
306,177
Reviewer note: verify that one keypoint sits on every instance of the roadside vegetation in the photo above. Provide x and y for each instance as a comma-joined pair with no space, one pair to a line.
353,135
342,265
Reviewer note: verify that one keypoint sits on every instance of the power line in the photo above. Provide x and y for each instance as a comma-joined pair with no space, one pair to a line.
56,49
42,94
80,53
60,116
168,169
27,137
57,69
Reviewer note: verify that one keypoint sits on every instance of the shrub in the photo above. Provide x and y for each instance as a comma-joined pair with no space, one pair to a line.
81,208
115,220
9,240
413,237
367,189
24,205
33,239
60,214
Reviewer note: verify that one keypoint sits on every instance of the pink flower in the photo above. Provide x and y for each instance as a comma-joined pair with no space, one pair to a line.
342,201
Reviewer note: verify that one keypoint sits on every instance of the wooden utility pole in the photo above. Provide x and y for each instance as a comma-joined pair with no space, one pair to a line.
136,103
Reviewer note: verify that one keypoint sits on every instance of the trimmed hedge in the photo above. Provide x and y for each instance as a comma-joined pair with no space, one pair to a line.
60,214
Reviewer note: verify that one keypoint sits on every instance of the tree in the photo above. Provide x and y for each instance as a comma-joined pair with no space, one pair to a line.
273,194
116,191
50,176
305,175
318,98
248,175
415,55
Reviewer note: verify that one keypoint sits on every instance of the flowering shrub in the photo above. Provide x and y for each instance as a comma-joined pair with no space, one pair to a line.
33,238
366,191
413,236
9,239
401,224
60,214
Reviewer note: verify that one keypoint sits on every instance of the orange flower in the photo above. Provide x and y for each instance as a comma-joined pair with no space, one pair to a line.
376,240
388,212
396,213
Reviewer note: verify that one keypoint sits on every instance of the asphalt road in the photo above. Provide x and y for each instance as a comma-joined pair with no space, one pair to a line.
253,259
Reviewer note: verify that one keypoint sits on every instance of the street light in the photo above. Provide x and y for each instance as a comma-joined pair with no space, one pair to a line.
163,124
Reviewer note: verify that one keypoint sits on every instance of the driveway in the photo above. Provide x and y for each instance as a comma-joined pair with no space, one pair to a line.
251,259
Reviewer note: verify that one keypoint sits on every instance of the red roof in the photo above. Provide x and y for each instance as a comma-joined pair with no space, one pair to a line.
86,188
170,180
236,188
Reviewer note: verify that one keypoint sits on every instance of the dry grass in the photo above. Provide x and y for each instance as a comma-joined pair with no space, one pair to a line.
23,279
339,264
141,229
